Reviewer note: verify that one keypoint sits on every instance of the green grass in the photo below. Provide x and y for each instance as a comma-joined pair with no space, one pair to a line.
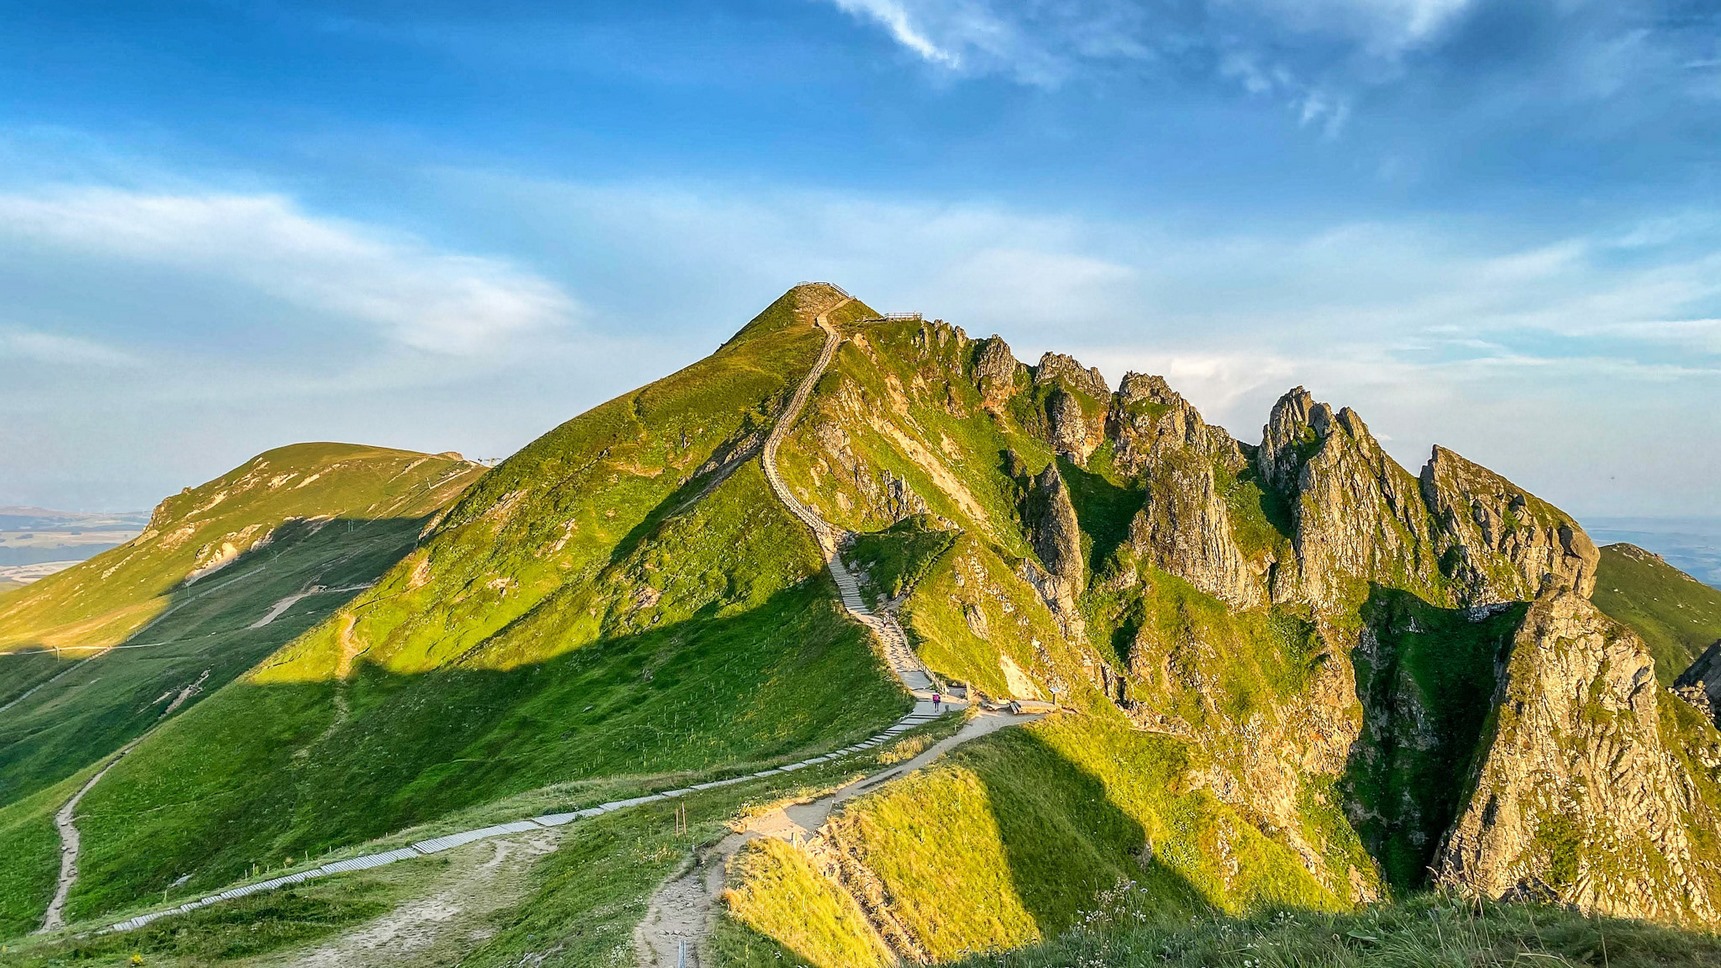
1433,692
900,395
30,848
72,711
787,905
1236,663
249,927
110,597
612,602
590,894
1104,502
971,612
1676,615
1013,837
1425,932
894,560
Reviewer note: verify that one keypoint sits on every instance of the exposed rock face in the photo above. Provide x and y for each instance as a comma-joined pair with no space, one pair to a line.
1184,526
1700,685
1357,514
1075,405
1052,527
876,492
1578,792
996,372
1501,543
1148,418
1058,367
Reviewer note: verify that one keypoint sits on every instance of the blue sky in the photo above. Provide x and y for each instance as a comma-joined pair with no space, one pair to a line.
229,225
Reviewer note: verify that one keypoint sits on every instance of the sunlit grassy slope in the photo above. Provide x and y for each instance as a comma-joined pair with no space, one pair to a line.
121,649
195,537
624,596
1677,615
1016,837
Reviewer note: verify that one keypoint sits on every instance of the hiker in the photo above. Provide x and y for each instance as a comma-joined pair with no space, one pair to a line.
936,699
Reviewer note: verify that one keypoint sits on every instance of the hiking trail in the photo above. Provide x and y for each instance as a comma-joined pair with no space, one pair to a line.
684,909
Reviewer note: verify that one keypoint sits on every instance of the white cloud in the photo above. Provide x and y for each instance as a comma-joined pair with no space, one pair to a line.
413,294
1556,358
894,17
1546,357
57,350
1300,52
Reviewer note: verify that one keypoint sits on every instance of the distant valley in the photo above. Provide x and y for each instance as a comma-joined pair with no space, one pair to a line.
36,542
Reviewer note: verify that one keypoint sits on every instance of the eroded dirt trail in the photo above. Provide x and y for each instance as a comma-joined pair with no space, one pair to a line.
280,607
66,821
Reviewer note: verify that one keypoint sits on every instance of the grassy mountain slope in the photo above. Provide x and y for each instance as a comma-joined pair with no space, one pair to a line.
1297,631
1677,615
122,649
624,597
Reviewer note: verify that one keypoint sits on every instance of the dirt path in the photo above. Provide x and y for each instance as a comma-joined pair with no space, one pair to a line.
903,662
66,819
684,910
443,924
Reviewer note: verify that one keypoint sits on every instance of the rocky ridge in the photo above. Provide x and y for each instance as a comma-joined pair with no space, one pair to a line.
1314,529
1581,794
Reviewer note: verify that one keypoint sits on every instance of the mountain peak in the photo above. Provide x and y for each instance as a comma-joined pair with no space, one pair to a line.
799,307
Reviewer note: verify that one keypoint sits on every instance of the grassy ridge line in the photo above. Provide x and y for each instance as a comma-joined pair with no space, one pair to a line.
109,597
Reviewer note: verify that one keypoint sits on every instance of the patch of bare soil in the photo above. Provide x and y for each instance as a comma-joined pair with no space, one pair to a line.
444,923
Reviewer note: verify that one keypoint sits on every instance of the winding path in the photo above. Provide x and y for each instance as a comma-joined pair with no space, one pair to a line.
903,662
683,910
66,818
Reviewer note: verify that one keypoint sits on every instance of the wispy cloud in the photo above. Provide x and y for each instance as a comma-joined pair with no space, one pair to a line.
1318,58
412,293
895,18
58,350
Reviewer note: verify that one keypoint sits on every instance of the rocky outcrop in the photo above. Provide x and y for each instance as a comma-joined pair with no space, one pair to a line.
855,486
1050,521
1075,405
1184,526
1052,529
1148,419
1700,685
1357,515
997,375
1499,542
1579,794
